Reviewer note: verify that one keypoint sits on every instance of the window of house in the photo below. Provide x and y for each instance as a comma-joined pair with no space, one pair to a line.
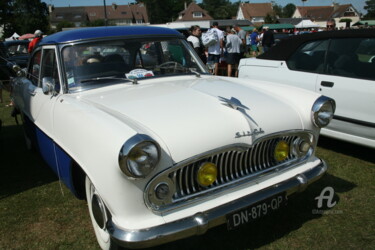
349,12
197,14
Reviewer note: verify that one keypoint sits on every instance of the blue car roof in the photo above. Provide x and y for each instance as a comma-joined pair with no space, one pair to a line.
106,32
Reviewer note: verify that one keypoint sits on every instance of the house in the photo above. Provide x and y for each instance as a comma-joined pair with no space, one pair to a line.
75,15
320,14
254,12
119,14
115,14
193,13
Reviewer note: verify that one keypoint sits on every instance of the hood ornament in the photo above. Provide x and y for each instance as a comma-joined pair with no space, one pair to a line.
236,104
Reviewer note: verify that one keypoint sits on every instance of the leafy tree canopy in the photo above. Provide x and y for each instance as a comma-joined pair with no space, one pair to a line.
289,10
220,9
370,7
163,11
23,16
64,24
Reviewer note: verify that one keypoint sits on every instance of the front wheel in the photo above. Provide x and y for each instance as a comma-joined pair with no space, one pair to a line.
98,216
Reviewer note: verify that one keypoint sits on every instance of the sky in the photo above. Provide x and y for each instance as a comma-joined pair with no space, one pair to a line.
358,4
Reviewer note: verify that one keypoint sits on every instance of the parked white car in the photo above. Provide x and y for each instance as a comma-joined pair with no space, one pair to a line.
338,64
130,119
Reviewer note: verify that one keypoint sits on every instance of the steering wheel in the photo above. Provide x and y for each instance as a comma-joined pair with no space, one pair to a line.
171,65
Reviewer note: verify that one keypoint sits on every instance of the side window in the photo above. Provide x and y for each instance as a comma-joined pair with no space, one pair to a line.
49,67
352,57
34,70
309,57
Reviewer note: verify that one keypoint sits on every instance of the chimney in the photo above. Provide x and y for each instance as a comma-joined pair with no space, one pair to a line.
335,5
50,8
185,5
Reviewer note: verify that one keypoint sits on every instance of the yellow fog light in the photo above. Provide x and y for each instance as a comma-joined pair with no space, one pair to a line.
207,174
281,151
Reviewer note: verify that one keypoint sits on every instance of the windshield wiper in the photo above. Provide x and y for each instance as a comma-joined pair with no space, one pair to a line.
197,74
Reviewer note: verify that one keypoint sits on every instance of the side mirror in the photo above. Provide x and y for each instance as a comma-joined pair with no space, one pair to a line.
48,85
19,72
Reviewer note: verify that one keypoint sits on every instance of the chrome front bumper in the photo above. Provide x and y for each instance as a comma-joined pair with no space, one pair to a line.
201,222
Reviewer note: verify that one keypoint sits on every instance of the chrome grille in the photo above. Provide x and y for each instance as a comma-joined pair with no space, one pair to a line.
234,166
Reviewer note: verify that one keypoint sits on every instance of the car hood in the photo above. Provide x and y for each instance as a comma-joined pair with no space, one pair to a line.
189,115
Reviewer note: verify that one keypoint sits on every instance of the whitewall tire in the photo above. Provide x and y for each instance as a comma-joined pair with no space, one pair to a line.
100,229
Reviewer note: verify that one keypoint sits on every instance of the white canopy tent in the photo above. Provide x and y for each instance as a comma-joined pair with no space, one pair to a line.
13,37
306,24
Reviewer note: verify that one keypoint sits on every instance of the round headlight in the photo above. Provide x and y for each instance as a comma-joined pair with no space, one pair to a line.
302,146
281,151
207,174
139,156
322,111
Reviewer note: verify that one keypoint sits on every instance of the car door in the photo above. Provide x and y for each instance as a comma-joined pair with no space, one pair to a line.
38,105
349,78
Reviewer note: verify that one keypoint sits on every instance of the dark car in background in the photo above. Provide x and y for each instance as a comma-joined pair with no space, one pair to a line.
12,52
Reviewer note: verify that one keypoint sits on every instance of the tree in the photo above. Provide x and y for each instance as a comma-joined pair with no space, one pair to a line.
96,23
23,16
370,7
6,17
277,10
220,9
270,18
289,10
64,24
163,11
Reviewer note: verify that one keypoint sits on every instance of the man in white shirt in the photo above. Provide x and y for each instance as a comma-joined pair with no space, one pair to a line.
216,50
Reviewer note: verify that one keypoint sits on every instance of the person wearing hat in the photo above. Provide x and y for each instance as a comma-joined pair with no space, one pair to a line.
38,35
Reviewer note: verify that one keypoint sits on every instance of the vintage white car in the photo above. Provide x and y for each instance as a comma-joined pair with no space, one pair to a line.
337,64
130,119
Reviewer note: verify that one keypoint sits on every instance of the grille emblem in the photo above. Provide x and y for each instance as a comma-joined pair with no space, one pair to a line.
249,133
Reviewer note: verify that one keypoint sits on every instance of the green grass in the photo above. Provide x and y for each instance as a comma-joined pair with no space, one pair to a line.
37,212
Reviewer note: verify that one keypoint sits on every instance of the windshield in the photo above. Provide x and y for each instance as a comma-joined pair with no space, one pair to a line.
102,63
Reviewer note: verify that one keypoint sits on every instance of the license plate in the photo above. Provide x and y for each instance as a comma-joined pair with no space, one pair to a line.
255,211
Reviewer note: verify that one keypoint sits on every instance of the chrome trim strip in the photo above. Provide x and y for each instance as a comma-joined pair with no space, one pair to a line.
201,222
355,121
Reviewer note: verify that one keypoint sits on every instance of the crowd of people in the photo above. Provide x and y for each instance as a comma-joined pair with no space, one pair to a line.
231,45
234,43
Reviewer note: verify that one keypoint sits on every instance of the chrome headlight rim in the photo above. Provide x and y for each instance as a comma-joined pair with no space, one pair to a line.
321,105
138,143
